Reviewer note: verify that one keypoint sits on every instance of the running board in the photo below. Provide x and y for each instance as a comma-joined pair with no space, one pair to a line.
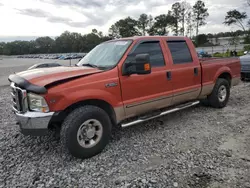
181,107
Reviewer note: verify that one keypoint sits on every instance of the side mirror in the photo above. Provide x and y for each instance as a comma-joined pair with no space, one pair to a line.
140,66
245,52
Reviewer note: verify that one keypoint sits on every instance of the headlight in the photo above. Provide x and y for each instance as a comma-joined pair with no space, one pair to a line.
37,103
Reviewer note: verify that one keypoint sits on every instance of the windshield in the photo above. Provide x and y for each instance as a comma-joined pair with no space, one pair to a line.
105,55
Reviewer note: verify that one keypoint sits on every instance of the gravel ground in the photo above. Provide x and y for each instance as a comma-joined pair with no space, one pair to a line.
197,147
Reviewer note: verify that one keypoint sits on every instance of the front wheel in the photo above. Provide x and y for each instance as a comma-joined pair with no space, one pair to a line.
220,94
86,131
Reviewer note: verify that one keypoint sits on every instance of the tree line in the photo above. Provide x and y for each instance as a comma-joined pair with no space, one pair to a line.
183,19
65,43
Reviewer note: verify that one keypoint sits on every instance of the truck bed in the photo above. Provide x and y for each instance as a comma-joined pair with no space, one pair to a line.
211,68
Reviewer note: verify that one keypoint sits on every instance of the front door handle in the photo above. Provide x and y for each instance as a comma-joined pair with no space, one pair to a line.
169,75
196,71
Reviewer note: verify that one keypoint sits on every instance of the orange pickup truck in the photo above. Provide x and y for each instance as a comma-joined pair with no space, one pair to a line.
119,83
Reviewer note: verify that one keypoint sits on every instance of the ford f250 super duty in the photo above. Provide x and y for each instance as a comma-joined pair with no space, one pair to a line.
120,82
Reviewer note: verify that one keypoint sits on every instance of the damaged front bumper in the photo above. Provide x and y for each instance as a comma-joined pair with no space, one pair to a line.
34,123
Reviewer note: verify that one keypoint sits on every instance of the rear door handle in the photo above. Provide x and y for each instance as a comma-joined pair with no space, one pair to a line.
169,75
196,71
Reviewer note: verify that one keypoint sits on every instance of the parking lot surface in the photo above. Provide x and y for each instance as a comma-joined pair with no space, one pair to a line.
197,147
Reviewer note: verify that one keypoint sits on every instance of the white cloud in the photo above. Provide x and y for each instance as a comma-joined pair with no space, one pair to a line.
52,17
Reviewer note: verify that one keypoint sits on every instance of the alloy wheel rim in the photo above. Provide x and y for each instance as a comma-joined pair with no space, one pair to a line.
222,93
89,133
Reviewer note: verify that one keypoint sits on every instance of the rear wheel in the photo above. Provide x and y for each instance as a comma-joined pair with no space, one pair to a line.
86,131
220,94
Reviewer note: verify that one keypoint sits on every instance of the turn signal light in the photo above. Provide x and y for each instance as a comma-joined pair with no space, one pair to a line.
147,67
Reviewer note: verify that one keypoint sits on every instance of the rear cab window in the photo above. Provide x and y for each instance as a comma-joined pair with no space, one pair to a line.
180,52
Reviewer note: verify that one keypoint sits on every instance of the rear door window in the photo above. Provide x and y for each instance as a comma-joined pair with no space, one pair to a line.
180,52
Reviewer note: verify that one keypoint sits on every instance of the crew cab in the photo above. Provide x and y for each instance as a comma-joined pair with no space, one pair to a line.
120,82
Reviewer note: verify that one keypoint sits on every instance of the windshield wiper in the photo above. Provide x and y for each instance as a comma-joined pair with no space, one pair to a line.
96,66
90,65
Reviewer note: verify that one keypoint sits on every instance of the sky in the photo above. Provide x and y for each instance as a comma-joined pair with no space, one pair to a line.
28,19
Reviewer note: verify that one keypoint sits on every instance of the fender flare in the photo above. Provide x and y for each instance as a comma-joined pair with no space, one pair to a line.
221,71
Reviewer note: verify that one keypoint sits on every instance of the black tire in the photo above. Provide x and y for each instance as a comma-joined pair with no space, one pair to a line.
71,125
204,102
214,97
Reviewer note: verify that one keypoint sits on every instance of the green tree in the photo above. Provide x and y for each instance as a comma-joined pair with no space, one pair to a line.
190,24
94,31
200,13
114,32
201,39
127,27
185,10
176,14
90,41
247,38
150,21
45,44
234,17
161,24
143,23
2,44
65,43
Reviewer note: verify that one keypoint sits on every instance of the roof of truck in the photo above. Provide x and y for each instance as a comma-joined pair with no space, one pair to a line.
152,37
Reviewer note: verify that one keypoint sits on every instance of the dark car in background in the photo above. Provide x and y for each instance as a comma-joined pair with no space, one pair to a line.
245,66
44,65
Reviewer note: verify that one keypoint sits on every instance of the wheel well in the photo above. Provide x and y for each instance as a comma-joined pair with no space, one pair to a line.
59,118
226,76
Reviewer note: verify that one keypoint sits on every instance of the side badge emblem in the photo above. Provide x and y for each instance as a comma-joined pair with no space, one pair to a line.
113,84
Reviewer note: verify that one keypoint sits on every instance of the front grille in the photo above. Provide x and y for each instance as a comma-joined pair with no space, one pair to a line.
18,98
245,67
245,75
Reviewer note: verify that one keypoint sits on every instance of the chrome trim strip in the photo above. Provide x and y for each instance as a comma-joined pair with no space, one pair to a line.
149,101
161,98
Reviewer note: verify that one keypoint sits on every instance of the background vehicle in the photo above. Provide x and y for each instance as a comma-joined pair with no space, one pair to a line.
203,54
120,82
245,66
44,65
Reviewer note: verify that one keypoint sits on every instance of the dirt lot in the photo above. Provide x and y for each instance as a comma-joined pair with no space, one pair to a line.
198,147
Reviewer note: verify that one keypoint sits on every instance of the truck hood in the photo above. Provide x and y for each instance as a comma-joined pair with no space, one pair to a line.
37,79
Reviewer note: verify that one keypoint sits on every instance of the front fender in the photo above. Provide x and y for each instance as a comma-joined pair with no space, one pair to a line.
78,96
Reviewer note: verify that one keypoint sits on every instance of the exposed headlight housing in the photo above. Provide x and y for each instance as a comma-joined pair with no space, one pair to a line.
37,103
